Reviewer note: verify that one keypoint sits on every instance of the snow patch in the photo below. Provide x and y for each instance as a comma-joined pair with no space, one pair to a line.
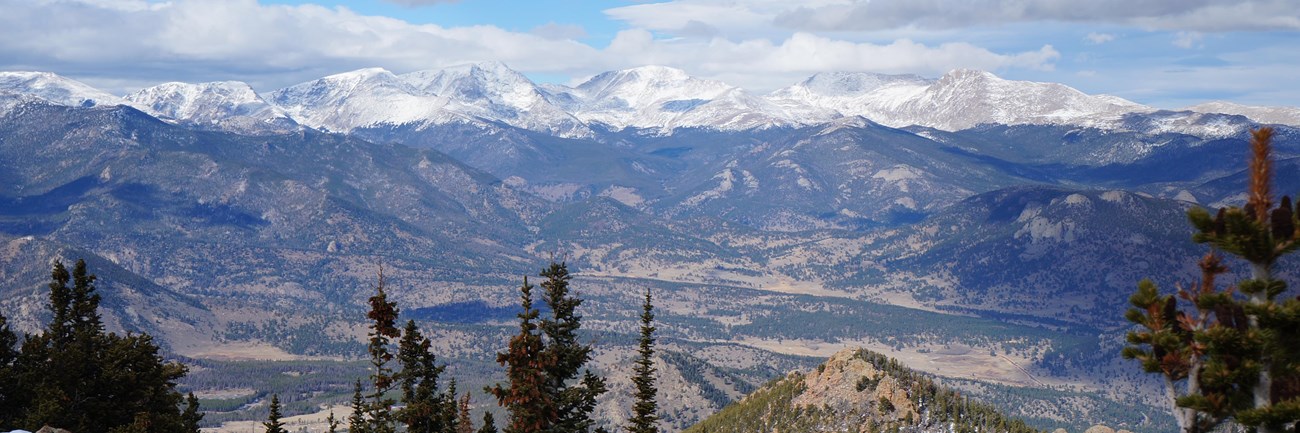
726,181
897,173
1115,196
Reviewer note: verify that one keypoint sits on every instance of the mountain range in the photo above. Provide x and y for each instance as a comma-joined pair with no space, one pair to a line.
650,97
976,227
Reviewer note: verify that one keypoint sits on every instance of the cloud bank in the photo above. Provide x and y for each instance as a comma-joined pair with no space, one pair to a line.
134,43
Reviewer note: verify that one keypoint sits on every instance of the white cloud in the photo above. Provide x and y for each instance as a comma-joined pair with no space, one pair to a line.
1099,38
1189,15
134,43
1188,39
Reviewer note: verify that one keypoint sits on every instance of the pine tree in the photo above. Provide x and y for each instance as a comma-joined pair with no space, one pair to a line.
447,414
9,404
273,424
191,417
105,382
489,424
332,423
357,420
530,407
645,409
423,405
574,402
1235,358
463,422
383,329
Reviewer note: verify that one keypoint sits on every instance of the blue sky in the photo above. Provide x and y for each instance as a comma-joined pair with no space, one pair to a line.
1166,53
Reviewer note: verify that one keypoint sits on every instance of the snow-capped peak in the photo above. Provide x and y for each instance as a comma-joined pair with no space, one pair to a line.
55,89
640,87
226,104
361,98
665,98
853,83
1277,115
960,99
493,91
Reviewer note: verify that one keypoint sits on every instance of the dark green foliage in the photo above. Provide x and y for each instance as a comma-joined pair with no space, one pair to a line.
357,420
8,388
424,408
573,402
525,398
645,408
548,390
1228,356
489,424
383,316
191,417
104,382
273,424
332,423
885,406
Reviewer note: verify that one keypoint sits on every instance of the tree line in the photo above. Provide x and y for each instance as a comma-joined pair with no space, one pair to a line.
548,387
75,376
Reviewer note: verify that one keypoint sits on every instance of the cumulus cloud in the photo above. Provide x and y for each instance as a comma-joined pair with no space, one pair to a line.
1187,15
127,44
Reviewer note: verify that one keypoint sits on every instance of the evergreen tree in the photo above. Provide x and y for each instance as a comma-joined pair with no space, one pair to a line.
489,424
105,382
383,329
573,402
423,405
645,409
332,423
273,424
448,416
191,417
357,420
9,405
529,405
1233,357
463,422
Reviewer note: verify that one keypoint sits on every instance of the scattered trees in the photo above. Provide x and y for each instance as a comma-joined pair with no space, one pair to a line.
1230,353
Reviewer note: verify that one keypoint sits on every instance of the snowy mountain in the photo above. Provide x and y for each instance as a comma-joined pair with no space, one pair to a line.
666,98
361,98
657,98
840,94
1278,115
490,90
228,105
959,100
55,89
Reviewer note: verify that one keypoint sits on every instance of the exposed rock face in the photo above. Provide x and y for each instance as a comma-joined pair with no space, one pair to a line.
858,391
847,383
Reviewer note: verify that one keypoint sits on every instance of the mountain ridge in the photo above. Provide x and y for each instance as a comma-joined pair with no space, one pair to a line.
654,98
